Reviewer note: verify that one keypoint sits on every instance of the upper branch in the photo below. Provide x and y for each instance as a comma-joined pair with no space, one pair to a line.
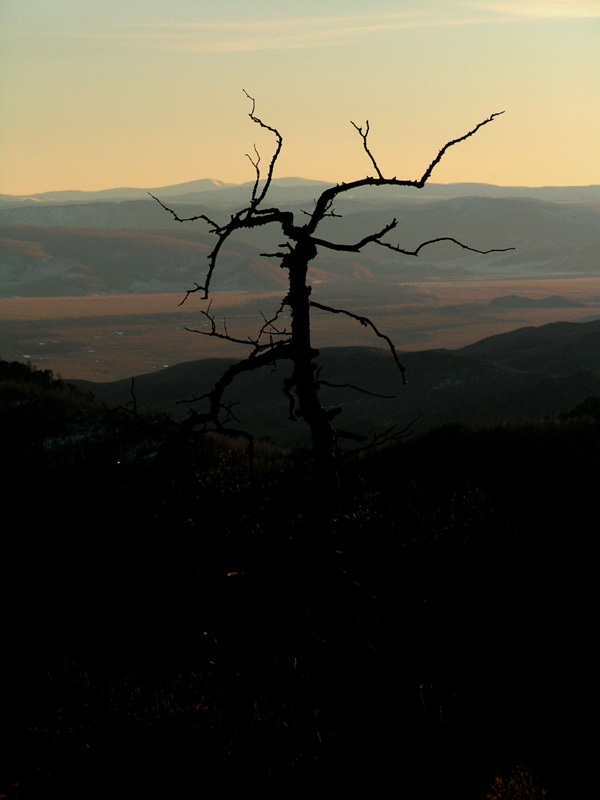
448,145
246,218
256,165
256,197
249,217
212,262
186,219
365,145
329,195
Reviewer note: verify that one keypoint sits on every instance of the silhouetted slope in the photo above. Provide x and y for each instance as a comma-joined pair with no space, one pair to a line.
528,373
558,348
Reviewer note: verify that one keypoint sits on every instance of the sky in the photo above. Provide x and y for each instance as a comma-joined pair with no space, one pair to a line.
97,94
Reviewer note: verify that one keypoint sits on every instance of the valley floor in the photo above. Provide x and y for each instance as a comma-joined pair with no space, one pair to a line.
104,338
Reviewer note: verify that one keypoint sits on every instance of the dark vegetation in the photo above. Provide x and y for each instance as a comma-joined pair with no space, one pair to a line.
176,623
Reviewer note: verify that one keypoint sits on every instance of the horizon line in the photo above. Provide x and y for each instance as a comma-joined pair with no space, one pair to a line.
231,185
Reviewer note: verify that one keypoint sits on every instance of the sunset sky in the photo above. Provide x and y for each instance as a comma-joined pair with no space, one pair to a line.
104,93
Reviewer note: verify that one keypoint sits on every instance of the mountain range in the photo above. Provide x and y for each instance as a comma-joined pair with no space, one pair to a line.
219,192
121,241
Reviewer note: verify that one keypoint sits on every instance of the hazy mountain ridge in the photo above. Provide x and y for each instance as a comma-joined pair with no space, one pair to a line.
208,190
135,246
116,194
213,187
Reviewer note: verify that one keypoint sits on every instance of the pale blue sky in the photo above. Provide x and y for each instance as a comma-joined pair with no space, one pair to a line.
102,93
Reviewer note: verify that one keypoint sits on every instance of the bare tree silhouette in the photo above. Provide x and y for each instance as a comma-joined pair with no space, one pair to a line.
274,342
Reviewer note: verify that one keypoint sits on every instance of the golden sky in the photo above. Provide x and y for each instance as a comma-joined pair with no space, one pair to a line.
104,93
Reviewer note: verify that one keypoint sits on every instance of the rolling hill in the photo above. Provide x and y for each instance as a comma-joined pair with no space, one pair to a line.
136,247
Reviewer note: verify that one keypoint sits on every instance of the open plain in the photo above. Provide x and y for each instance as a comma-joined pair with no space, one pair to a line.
104,338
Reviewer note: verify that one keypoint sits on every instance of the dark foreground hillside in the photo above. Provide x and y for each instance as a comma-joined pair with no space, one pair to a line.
177,624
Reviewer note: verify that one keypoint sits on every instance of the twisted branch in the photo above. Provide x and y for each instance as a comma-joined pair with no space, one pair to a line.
258,198
398,249
330,194
255,343
357,247
366,322
211,222
451,143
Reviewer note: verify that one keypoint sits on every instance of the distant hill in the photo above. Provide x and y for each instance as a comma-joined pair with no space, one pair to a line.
59,261
124,193
517,301
296,186
203,190
528,373
135,246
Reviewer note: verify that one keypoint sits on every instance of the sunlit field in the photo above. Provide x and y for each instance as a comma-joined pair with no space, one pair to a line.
104,338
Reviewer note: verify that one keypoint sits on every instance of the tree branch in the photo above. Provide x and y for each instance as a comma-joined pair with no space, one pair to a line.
427,174
258,198
357,247
364,138
255,164
366,322
243,219
249,217
256,343
357,388
330,194
269,324
379,439
186,219
398,249
280,350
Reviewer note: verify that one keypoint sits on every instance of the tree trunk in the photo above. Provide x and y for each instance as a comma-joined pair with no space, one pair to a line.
304,376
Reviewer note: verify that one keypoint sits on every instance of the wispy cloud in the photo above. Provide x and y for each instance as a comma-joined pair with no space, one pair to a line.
269,34
540,9
305,32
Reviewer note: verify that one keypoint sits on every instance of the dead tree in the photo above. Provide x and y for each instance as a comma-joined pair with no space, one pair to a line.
274,343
